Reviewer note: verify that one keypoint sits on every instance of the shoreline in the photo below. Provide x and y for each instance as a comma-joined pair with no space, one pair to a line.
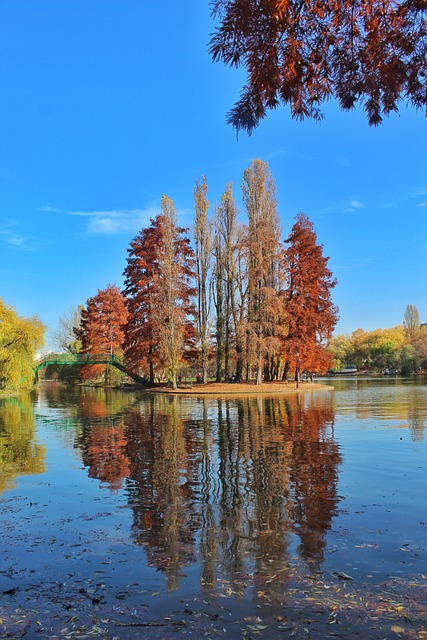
218,388
241,388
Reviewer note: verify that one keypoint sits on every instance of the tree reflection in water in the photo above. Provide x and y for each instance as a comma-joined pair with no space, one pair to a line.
240,486
19,453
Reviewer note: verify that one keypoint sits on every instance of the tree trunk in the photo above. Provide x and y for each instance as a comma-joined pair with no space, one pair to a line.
239,363
267,372
204,370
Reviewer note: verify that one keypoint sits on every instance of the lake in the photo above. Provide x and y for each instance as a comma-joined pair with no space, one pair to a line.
132,515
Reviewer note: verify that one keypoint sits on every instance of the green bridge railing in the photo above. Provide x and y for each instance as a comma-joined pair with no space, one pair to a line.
81,359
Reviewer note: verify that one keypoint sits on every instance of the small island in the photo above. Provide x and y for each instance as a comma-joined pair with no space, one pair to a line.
241,388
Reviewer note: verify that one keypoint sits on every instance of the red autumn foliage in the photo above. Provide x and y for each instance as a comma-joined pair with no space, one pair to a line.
102,327
146,288
301,53
311,314
140,345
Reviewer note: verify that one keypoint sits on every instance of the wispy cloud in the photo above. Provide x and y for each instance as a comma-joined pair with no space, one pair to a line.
357,262
278,153
49,210
362,260
16,241
352,206
346,206
407,199
110,222
421,195
10,238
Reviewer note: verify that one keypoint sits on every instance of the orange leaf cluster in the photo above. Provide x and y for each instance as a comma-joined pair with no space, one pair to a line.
301,53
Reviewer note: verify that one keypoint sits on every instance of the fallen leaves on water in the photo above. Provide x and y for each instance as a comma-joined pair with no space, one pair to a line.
291,602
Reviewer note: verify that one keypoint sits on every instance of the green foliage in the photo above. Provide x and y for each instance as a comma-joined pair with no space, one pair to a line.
420,347
379,350
342,349
19,340
409,363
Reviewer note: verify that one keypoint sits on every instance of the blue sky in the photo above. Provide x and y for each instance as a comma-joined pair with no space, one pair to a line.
106,105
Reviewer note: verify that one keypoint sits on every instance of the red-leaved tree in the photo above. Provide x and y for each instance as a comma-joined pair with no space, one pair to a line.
140,345
311,315
159,290
102,327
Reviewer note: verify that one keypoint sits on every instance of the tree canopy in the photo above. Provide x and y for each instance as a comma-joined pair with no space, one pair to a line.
64,336
411,322
311,313
19,340
158,291
102,327
301,53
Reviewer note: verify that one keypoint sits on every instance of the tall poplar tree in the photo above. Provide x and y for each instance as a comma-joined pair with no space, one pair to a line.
311,314
411,322
203,259
230,286
263,249
173,308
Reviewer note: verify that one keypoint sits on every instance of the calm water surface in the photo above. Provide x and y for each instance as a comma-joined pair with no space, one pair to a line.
149,516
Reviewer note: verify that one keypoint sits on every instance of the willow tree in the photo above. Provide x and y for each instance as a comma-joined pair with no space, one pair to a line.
302,53
19,340
203,259
311,313
263,252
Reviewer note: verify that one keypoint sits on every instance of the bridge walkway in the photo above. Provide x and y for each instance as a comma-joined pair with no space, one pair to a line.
81,359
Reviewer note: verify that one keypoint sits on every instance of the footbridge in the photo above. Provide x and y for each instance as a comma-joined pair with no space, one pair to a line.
81,359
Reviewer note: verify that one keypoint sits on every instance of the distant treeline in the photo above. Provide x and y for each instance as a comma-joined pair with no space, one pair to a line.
400,349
